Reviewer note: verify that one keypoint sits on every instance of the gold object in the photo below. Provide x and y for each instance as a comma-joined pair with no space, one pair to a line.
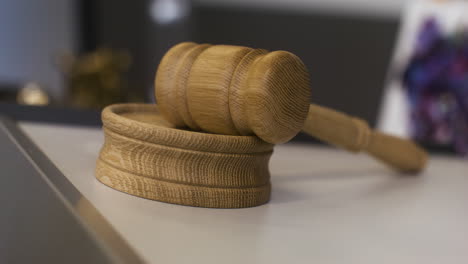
32,94
96,79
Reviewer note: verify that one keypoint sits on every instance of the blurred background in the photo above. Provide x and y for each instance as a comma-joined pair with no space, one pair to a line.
88,54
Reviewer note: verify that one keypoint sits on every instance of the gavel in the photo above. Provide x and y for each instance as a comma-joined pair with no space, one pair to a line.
235,90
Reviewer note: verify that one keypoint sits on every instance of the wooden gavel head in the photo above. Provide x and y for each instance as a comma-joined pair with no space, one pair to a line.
233,90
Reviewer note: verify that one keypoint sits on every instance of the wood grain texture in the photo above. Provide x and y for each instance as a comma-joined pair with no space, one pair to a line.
145,156
337,128
238,90
165,81
152,127
208,88
181,80
404,155
183,194
278,96
355,135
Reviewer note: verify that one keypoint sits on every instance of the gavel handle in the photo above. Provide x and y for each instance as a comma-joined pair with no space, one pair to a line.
355,135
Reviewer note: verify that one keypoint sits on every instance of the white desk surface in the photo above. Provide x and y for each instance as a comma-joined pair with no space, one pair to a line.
327,206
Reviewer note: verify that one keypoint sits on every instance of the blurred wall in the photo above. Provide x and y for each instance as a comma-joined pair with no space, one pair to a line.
345,43
32,35
347,54
369,8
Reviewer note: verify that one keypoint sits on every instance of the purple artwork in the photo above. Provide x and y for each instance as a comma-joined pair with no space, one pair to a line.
436,80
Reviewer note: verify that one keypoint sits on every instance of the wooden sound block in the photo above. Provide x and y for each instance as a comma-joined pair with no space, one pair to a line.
146,156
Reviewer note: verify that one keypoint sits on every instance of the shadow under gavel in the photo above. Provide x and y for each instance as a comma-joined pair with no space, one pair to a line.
235,90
